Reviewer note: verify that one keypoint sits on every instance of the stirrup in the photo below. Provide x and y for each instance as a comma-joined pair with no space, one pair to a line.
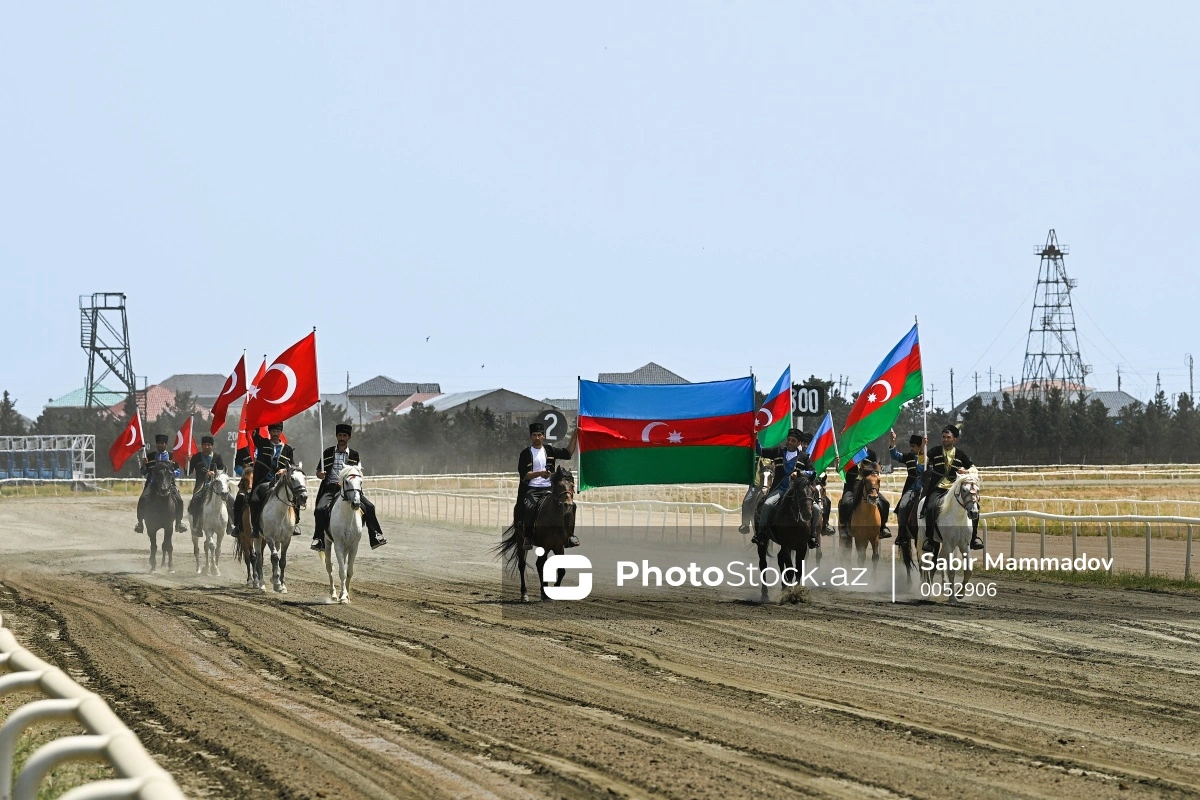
976,543
318,545
378,543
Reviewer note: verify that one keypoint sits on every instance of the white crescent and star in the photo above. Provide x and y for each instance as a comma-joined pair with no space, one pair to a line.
132,435
886,386
178,440
674,437
232,385
770,417
290,374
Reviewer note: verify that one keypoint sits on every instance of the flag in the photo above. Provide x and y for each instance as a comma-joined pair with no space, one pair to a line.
235,387
244,440
857,458
896,381
774,419
681,433
129,442
185,445
823,447
288,387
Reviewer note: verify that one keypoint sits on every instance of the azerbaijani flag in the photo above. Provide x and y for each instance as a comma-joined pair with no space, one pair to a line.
823,447
857,458
679,433
774,419
896,381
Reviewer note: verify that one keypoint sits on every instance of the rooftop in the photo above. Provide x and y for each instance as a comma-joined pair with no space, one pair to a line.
197,384
75,399
647,373
1114,401
383,386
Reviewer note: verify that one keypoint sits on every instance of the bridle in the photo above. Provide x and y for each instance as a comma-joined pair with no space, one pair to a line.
290,492
968,498
564,490
161,481
352,493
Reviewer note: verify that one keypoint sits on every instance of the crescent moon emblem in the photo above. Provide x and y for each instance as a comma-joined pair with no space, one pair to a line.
887,385
770,417
178,440
288,373
646,430
231,383
132,435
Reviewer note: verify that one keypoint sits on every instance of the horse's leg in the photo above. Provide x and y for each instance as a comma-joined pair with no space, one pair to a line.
784,561
521,569
762,565
153,548
220,540
966,571
350,551
328,556
260,563
283,561
538,565
169,546
197,532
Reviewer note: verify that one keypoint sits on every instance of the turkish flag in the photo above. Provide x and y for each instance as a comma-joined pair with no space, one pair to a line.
243,439
184,445
235,387
129,442
288,387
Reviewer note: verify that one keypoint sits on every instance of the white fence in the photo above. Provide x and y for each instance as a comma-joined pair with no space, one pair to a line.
107,740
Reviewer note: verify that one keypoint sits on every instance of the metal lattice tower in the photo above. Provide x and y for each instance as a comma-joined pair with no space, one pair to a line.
104,334
1052,357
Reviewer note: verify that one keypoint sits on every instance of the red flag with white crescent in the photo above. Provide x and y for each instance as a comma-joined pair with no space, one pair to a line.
184,446
244,439
235,387
288,387
129,442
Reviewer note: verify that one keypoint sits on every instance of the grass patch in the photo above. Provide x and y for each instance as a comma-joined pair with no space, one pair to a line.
1132,581
65,777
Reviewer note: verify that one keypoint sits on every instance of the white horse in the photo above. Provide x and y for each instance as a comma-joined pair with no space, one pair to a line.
286,493
955,522
345,532
211,524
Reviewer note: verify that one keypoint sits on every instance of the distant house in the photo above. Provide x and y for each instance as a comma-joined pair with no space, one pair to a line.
203,387
371,399
419,397
75,399
1113,401
508,405
570,404
647,373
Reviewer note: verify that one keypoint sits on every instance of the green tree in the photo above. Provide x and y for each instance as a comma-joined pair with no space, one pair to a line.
11,423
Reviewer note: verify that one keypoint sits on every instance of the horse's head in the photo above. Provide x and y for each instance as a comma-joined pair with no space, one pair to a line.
966,492
563,486
869,485
247,481
220,484
351,481
161,473
295,489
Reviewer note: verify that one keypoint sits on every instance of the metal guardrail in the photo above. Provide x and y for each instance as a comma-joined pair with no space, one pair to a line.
108,739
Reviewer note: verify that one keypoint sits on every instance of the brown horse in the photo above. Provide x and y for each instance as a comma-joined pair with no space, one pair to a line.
552,526
245,542
866,518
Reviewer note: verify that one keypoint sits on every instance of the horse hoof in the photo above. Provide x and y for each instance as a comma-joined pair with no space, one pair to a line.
170,572
199,570
524,598
282,589
345,601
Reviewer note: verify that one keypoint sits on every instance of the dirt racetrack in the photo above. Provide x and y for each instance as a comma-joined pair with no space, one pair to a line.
426,687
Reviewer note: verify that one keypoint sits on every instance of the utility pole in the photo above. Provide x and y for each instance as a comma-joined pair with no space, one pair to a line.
976,383
952,387
1118,377
989,379
932,395
1191,382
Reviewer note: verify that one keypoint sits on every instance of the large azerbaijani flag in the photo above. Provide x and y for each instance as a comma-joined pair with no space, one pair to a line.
679,433
823,447
774,419
896,381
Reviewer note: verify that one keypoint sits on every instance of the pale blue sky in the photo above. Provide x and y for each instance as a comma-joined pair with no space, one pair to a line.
548,191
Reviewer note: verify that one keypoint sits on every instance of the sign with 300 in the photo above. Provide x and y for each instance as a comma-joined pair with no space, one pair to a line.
808,401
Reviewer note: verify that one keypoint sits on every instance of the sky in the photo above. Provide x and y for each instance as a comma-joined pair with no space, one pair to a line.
517,194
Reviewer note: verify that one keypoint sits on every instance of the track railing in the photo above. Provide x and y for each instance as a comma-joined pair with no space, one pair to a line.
108,739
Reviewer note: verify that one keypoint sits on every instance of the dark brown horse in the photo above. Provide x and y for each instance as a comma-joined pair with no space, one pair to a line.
157,509
792,524
553,524
245,542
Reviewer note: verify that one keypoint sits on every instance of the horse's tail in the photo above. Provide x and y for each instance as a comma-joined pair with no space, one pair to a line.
510,541
906,553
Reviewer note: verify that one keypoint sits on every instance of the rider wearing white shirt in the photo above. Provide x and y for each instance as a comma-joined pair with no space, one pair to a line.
535,465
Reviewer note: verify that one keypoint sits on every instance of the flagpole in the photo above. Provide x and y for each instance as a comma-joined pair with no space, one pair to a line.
320,416
579,464
924,407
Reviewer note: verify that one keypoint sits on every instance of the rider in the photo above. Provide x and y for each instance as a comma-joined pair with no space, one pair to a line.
914,462
332,461
241,462
790,459
750,501
160,454
846,501
535,466
204,465
946,461
272,458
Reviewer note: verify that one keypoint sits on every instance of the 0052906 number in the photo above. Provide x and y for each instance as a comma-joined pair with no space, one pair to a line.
977,589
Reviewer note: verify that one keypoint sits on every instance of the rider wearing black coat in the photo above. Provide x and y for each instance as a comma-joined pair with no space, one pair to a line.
270,457
946,461
333,460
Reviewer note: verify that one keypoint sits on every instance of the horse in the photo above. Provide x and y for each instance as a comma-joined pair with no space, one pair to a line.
792,524
553,524
956,517
157,509
906,522
278,518
245,542
345,532
866,518
211,523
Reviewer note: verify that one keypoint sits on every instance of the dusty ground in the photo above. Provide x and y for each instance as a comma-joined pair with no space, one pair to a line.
428,686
